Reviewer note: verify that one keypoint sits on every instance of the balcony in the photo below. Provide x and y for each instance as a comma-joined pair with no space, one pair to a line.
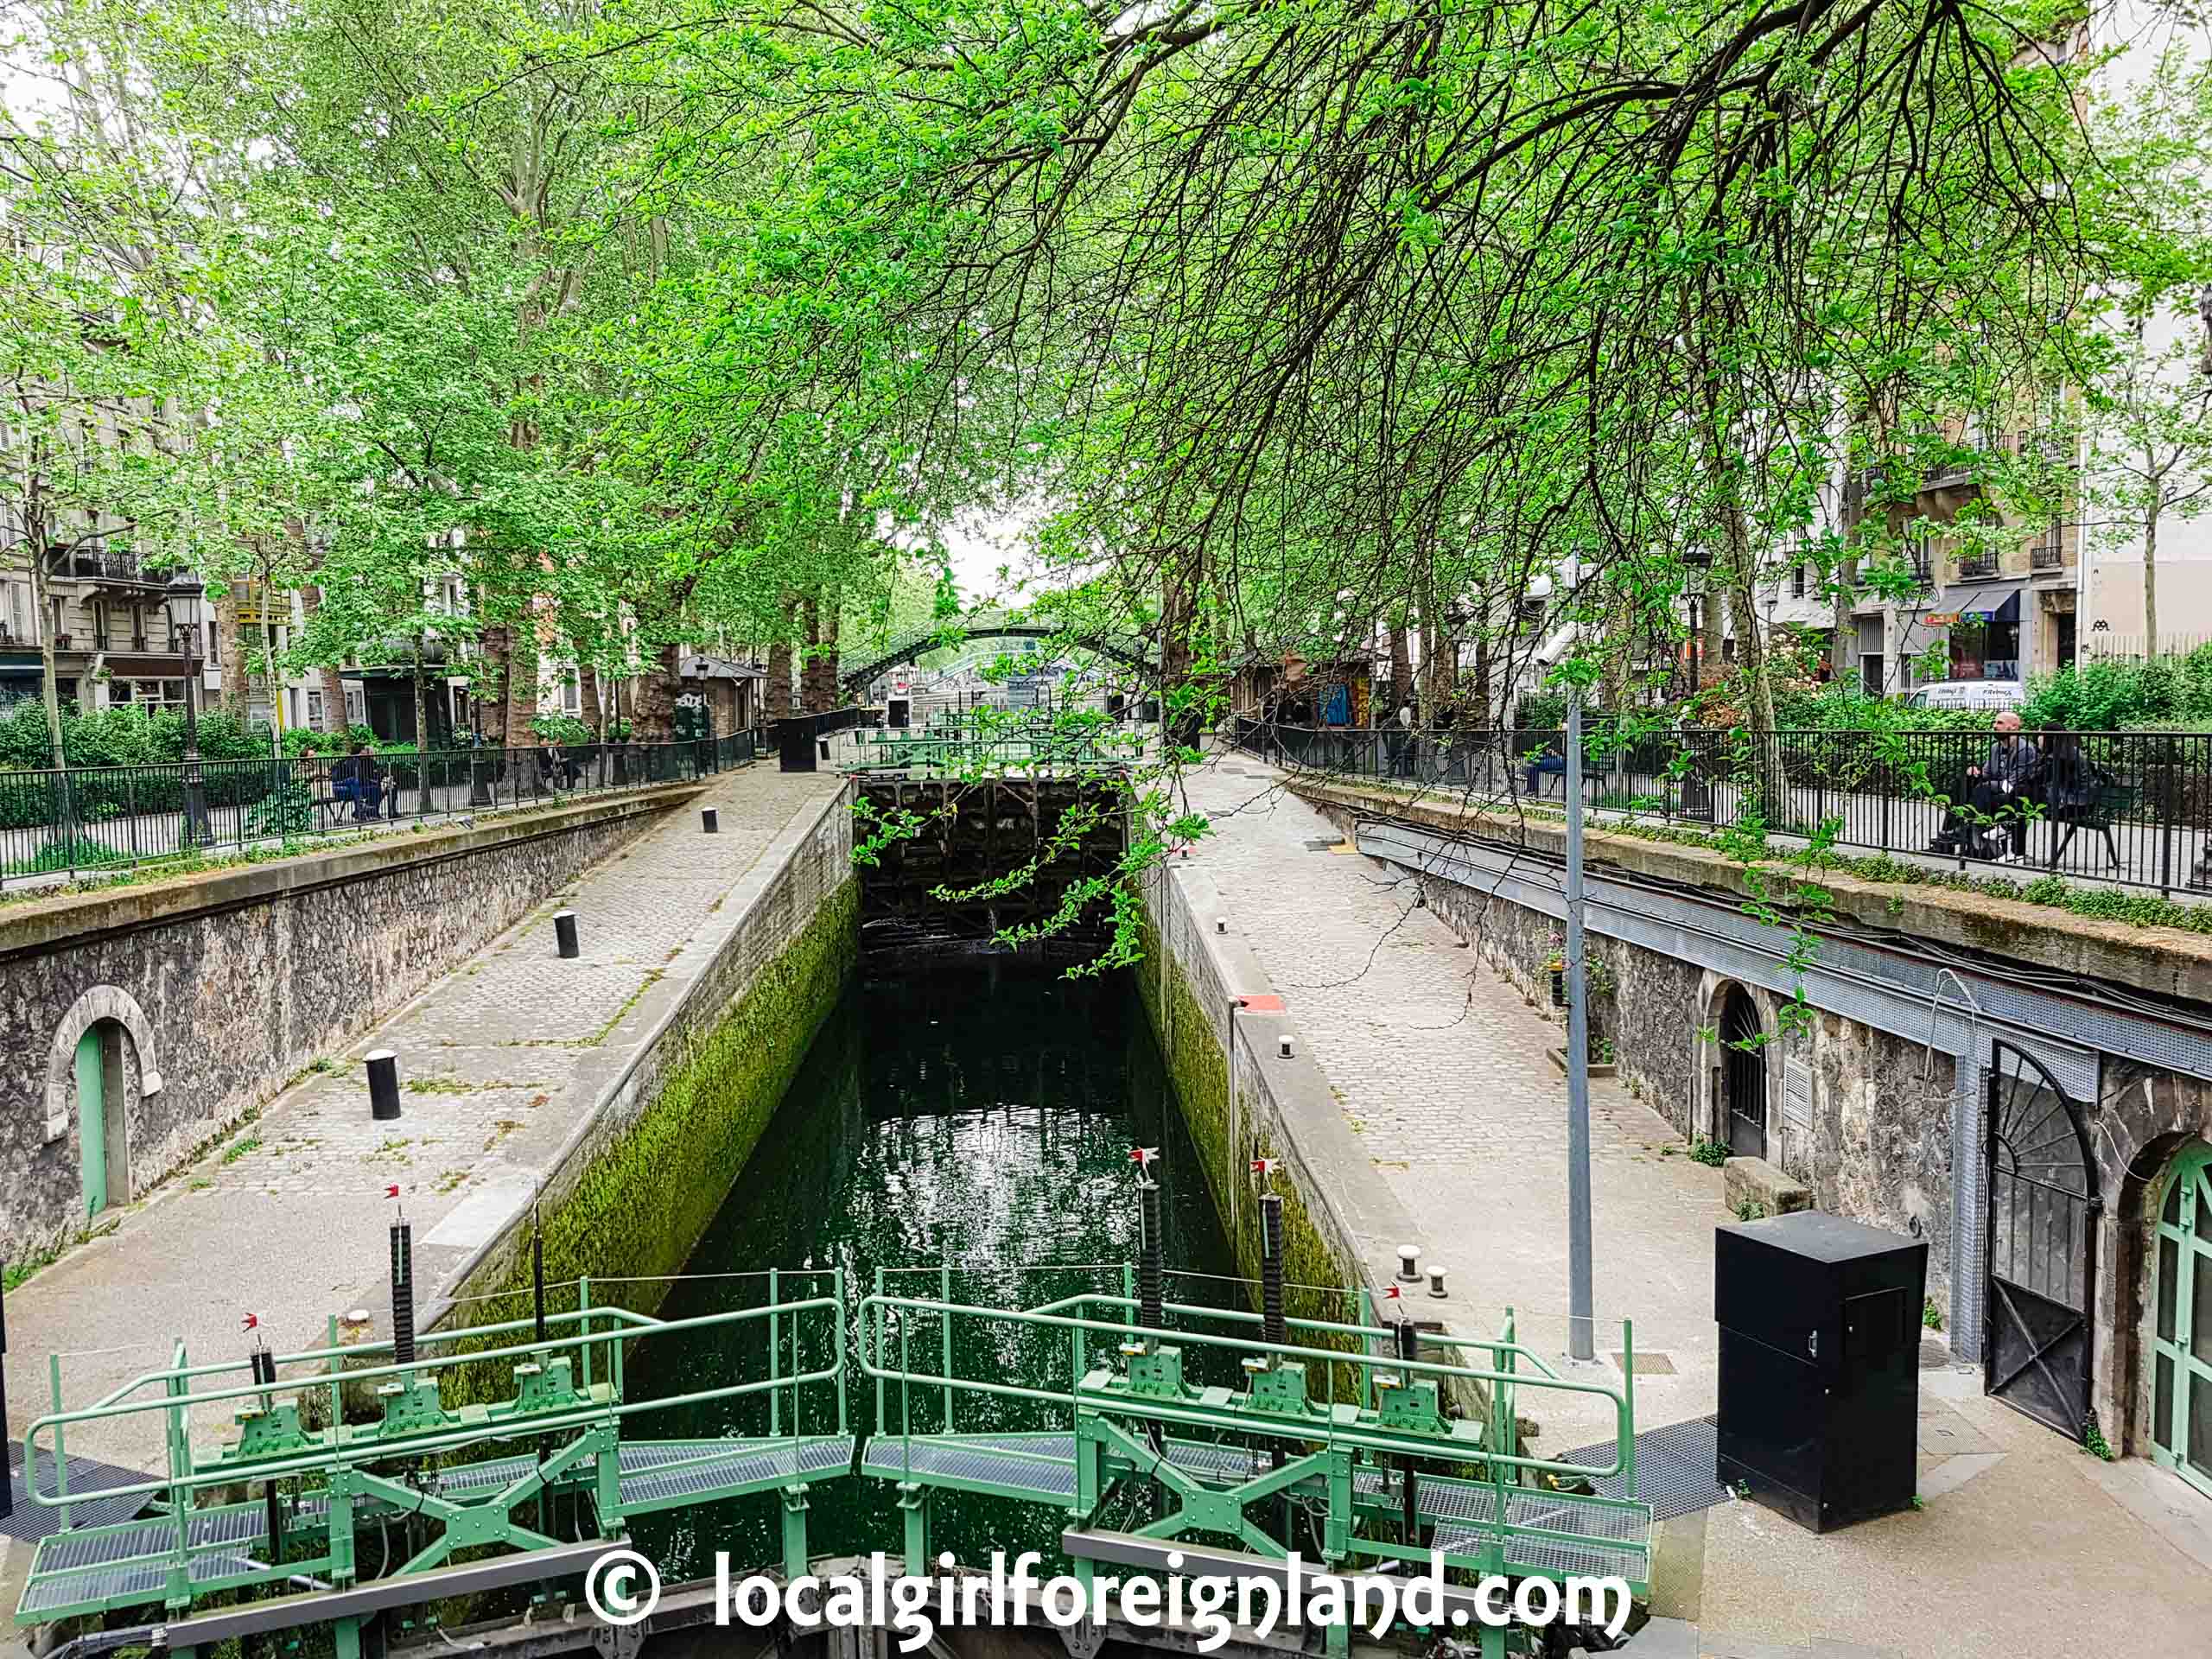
1978,567
2046,556
108,569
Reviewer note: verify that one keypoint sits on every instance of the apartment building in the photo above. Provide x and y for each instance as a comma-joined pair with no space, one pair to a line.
121,635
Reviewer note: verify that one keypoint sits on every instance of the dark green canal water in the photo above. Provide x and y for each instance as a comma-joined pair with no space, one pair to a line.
974,1112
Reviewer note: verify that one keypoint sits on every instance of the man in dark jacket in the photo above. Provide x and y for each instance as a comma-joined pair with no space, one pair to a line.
1997,792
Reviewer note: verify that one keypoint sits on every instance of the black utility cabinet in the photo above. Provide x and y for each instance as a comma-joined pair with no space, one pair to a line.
1819,1365
794,743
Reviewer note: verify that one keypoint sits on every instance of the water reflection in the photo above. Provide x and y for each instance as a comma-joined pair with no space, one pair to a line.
973,1111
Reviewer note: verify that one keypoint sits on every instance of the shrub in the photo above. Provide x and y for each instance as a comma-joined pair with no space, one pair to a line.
72,853
561,729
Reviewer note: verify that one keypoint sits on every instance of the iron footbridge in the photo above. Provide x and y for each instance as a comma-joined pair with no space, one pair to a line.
344,1484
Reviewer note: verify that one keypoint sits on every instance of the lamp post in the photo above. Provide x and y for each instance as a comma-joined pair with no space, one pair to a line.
1697,799
188,592
1696,562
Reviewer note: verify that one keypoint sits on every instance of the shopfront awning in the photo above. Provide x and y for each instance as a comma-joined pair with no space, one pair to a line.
1979,606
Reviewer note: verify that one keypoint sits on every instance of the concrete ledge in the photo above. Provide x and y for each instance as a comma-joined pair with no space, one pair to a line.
40,924
2169,961
1754,1180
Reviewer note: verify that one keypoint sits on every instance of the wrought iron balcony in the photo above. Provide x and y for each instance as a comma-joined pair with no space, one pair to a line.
2046,556
1977,566
97,565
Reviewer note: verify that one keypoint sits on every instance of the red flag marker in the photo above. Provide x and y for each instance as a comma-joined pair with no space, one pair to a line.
1143,1156
1390,1294
1265,1166
250,1323
391,1192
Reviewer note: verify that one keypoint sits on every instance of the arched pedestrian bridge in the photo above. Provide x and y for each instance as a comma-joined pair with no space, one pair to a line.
994,624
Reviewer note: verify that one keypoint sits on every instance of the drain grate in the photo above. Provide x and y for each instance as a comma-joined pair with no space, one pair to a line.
1674,1467
1647,1364
32,1522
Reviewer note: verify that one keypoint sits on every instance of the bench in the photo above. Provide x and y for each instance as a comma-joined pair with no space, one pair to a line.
2107,805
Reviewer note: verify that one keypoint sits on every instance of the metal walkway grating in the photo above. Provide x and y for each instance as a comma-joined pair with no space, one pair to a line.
33,1520
1675,1468
669,1471
1042,1465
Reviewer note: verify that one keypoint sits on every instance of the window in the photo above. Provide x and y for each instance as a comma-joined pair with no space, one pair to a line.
214,636
1985,651
572,698
315,709
1797,582
356,712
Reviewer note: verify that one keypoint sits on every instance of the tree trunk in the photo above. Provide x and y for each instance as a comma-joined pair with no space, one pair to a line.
491,684
49,685
1178,609
233,638
776,694
1401,671
588,689
810,646
833,606
522,681
656,698
334,683
422,741
2151,567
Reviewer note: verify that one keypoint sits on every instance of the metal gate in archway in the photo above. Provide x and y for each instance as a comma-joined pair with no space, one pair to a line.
1743,1074
2042,1227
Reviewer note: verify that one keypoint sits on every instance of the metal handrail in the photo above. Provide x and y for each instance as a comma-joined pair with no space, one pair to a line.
870,1334
177,1404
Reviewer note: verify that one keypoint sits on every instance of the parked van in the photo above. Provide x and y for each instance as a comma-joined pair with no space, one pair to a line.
1967,694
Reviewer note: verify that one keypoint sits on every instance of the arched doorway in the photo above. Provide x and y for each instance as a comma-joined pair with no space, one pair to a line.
103,1118
2042,1225
1742,1060
2181,1341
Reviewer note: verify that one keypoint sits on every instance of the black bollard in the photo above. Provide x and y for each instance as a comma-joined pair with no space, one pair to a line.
264,1372
1150,1313
1408,1349
403,1294
564,931
383,1084
707,820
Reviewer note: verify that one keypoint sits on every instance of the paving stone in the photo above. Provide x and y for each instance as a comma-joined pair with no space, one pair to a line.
287,1218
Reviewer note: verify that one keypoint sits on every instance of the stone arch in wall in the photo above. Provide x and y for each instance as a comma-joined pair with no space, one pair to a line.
100,1065
2144,1120
1716,1058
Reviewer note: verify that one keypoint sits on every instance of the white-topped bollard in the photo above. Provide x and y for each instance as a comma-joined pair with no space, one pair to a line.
1409,1263
384,1083
1436,1282
1283,1045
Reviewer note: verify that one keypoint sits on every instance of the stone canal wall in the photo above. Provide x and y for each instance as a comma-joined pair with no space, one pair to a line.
677,1117
210,990
1901,1039
1221,1026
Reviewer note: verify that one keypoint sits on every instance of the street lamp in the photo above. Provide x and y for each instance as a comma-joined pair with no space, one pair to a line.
1696,561
188,592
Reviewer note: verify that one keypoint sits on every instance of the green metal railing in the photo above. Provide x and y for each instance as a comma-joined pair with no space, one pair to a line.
1329,1435
568,1405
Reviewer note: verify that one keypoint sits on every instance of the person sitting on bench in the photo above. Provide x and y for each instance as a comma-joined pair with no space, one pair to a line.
1999,790
1553,759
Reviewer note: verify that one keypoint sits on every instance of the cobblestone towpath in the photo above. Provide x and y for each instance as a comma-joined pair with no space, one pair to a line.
1441,1070
500,1060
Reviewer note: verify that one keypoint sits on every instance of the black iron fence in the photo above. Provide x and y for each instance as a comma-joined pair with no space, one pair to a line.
91,818
2129,807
